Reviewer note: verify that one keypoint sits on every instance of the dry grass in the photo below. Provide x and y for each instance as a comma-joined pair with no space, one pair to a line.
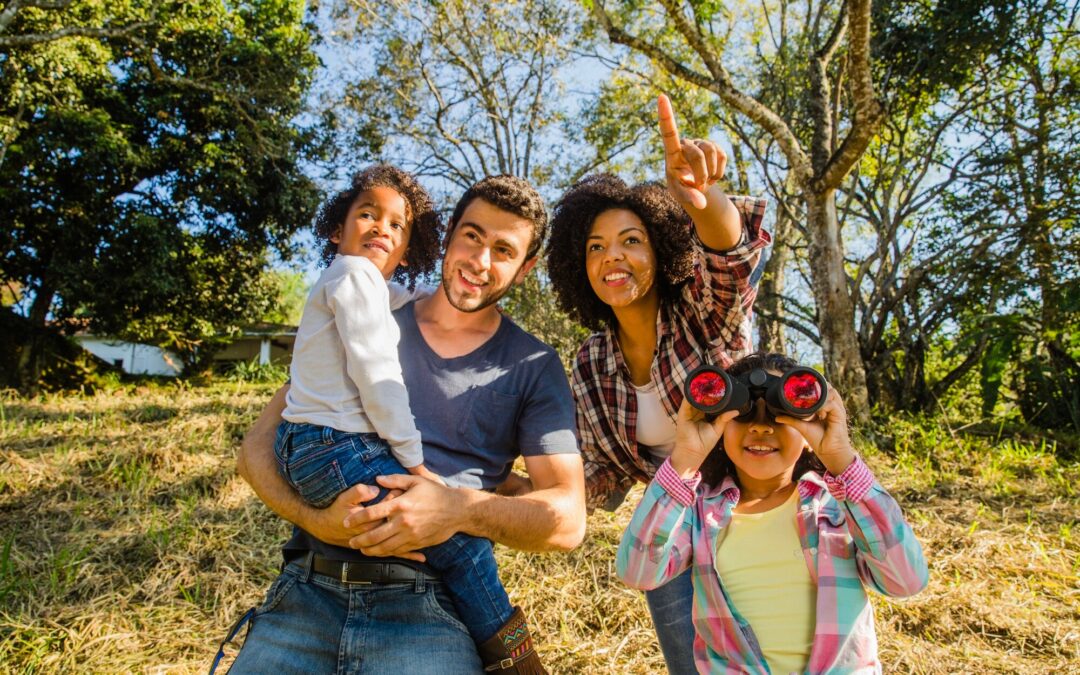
128,544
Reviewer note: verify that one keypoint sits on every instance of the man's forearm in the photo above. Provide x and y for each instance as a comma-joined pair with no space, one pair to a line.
543,520
257,466
551,517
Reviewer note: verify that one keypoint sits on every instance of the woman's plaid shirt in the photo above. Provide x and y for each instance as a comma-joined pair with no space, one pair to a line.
709,323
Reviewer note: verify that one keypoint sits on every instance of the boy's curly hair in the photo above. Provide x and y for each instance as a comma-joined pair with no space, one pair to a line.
718,465
425,225
509,193
666,222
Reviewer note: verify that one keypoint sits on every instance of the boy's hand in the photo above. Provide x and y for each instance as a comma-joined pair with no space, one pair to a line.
827,433
695,437
690,166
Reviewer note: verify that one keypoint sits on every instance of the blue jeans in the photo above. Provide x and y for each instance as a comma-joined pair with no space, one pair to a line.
670,607
320,462
315,624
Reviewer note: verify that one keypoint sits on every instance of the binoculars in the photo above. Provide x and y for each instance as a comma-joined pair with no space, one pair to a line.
799,392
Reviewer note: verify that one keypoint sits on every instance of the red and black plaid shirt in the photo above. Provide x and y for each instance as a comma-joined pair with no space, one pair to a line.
709,323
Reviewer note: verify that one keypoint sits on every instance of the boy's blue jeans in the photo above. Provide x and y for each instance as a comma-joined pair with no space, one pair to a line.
320,463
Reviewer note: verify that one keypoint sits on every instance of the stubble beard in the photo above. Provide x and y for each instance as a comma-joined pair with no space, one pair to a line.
485,301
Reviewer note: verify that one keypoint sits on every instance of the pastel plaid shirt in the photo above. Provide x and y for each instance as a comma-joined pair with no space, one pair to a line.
852,535
710,323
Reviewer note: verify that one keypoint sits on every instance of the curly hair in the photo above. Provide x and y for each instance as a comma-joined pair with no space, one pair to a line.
718,465
667,224
424,236
512,194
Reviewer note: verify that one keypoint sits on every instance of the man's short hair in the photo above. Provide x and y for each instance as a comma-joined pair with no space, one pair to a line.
511,194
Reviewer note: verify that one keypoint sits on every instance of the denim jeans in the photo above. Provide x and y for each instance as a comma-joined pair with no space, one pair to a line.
670,607
320,462
315,624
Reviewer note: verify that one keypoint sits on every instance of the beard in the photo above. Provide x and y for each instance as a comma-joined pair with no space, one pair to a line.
474,303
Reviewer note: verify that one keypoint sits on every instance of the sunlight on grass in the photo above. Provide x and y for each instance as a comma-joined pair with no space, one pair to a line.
128,544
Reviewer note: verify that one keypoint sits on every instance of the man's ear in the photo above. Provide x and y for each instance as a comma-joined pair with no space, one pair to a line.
525,269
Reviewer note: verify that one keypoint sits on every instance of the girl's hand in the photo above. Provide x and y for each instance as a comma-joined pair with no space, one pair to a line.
690,166
827,433
695,438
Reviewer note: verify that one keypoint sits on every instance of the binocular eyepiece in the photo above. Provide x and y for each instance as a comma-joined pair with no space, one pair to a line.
799,392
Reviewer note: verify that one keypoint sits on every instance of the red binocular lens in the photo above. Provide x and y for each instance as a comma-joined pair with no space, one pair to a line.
799,392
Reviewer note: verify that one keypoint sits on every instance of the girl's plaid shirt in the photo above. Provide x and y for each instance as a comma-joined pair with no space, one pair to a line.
852,533
710,323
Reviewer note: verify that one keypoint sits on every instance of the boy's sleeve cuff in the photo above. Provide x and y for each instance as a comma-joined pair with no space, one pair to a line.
853,482
682,491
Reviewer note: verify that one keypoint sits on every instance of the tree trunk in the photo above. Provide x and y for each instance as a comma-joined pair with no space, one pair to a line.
835,312
771,289
32,355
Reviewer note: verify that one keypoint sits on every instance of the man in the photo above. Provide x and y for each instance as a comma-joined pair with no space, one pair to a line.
482,391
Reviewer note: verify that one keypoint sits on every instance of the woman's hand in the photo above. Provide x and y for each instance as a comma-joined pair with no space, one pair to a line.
690,166
695,437
827,433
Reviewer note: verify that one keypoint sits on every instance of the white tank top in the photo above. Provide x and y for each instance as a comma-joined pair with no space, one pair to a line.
655,430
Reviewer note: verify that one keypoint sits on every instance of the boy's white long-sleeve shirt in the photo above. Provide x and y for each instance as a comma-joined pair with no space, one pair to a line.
345,369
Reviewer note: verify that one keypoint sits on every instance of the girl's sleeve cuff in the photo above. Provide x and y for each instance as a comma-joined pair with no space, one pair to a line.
683,491
853,482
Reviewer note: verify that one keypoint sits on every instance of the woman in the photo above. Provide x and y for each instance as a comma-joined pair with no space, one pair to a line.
669,272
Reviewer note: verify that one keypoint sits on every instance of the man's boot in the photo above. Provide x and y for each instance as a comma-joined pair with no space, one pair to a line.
510,649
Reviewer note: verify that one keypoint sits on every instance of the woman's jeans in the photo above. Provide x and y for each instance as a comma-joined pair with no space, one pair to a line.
320,463
670,607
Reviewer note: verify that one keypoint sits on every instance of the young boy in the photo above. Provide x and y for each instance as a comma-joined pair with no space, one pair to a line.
347,416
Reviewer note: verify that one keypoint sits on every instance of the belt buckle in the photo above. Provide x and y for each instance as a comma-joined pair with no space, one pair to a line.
345,576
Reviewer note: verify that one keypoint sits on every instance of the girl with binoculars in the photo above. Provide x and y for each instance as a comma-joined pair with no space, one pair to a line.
781,524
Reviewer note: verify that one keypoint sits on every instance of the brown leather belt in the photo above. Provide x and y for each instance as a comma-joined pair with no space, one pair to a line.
365,572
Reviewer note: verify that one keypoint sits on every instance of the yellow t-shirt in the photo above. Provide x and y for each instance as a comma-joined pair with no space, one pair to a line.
760,562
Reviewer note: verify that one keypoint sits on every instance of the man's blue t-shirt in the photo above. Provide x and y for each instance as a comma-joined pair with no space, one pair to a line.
476,413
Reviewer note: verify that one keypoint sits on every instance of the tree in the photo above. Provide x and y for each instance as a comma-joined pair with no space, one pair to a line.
814,95
818,159
145,175
458,90
1024,180
454,91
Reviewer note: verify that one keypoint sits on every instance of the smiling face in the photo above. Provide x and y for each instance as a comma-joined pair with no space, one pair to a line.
619,259
763,451
485,256
377,228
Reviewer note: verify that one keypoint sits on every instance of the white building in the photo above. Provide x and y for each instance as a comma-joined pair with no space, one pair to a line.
131,357
267,343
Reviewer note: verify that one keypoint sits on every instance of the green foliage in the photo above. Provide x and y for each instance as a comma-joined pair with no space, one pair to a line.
458,90
532,306
257,373
145,174
291,294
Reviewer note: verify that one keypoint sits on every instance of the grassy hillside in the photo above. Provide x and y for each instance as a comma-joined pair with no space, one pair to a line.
128,544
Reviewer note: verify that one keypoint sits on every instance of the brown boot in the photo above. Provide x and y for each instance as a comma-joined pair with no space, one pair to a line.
510,650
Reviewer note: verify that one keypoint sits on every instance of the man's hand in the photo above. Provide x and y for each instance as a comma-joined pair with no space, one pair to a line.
328,524
690,166
424,514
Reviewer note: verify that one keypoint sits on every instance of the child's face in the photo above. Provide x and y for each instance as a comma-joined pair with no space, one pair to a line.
376,228
762,449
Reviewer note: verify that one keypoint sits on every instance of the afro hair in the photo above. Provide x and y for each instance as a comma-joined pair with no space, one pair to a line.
666,222
425,235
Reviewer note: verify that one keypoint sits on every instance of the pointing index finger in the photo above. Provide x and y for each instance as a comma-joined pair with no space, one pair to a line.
668,129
